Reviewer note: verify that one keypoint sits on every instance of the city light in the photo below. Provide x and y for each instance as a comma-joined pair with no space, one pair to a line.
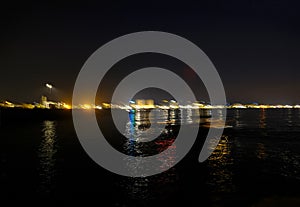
49,86
141,104
86,106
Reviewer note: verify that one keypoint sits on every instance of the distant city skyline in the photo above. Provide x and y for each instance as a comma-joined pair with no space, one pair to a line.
254,45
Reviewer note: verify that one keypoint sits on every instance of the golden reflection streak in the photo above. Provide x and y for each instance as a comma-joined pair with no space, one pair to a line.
46,153
261,151
220,174
262,119
139,188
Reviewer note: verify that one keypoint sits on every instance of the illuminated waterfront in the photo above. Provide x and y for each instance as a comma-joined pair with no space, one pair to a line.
140,104
65,66
256,162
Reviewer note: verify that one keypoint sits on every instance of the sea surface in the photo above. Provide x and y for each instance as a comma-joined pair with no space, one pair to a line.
256,163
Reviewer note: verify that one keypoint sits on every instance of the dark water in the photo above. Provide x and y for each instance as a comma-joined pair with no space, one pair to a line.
256,163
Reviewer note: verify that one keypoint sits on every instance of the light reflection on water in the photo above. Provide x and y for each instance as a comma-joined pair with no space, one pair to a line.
261,151
145,188
259,143
253,136
47,157
238,122
138,123
257,158
289,118
220,164
262,120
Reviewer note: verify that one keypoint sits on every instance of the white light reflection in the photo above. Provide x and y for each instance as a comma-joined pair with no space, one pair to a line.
47,160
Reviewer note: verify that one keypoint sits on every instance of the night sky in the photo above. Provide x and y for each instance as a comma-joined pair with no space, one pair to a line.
254,45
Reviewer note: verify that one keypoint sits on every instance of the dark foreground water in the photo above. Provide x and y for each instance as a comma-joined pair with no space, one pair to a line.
257,163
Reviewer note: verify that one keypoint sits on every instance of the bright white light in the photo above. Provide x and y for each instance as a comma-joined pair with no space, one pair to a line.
49,85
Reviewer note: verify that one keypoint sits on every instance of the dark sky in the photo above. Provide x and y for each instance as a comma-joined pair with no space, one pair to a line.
253,44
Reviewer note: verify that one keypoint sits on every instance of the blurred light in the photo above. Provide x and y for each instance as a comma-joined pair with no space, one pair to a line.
87,106
49,85
98,107
66,106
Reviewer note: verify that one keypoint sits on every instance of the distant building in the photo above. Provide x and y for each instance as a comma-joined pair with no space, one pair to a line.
143,104
44,102
173,104
51,104
238,106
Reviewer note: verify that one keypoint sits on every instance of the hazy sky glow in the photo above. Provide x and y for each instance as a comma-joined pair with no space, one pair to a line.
254,45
